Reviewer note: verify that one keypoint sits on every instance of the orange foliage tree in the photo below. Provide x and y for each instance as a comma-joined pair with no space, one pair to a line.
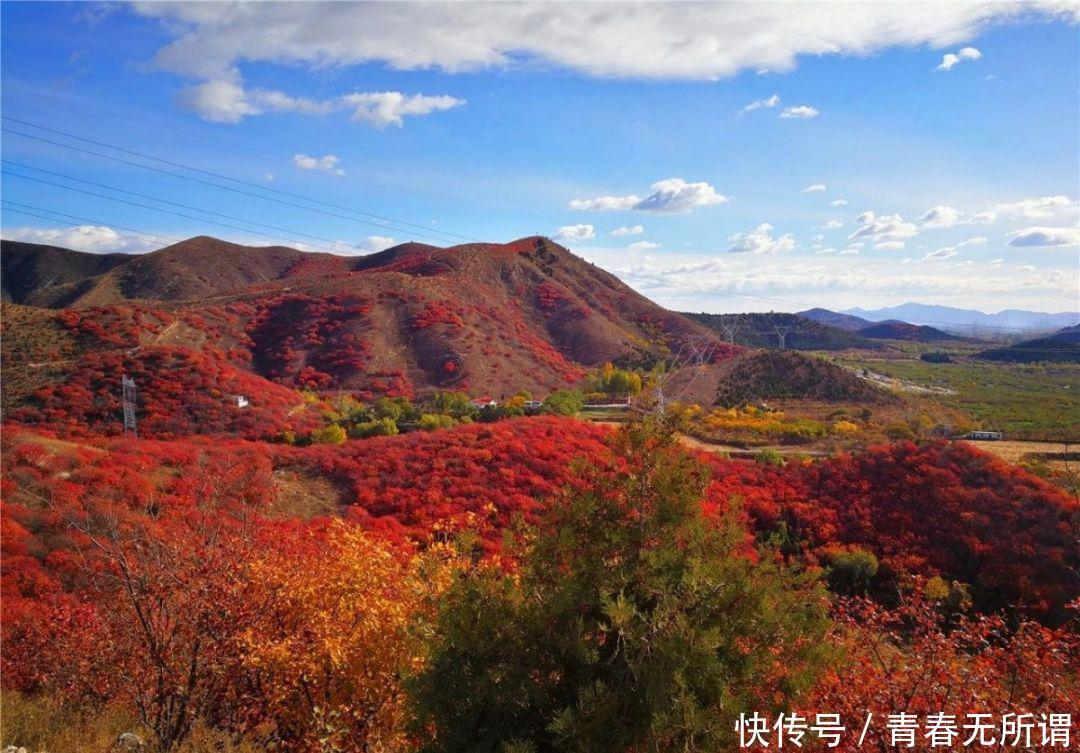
333,630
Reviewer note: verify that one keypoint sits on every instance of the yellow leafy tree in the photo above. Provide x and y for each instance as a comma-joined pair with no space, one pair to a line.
332,634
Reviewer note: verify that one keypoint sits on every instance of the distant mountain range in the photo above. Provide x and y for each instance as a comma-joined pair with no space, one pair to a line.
967,321
863,331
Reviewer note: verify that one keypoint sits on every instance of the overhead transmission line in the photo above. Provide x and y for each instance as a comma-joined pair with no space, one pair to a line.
377,220
234,218
35,211
282,153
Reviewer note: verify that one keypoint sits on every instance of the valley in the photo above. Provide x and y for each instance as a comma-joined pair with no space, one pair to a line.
311,427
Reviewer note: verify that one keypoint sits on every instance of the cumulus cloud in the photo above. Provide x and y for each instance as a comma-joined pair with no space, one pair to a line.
815,188
382,109
760,241
219,101
1033,209
619,232
838,203
939,217
605,203
94,239
225,100
375,243
676,196
644,40
575,232
832,225
1038,208
757,104
643,246
978,240
942,253
801,112
889,246
1046,236
951,59
328,163
884,228
669,196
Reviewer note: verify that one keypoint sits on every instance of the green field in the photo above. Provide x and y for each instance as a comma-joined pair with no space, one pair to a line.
1026,401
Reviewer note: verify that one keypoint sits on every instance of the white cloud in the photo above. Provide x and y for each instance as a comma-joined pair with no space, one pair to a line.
575,232
978,240
760,241
219,100
328,163
269,177
669,196
375,243
94,239
676,196
838,203
1032,209
815,188
942,253
381,109
952,59
757,104
939,217
832,225
889,246
721,281
647,40
1025,267
625,230
1046,236
225,100
1036,209
885,228
801,112
642,246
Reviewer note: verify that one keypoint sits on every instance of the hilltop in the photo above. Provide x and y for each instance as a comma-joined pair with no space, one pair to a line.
482,318
846,322
759,331
895,330
1062,346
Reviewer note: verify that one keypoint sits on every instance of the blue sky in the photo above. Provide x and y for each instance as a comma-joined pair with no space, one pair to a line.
960,175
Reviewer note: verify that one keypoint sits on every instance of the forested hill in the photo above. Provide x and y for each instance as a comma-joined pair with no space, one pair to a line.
801,333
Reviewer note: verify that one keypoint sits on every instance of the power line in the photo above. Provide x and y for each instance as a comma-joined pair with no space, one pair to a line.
383,223
222,176
332,241
158,209
32,211
143,121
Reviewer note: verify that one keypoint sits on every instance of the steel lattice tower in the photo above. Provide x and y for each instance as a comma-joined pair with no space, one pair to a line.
128,386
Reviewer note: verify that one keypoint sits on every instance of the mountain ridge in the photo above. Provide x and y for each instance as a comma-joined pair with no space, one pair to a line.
483,318
946,317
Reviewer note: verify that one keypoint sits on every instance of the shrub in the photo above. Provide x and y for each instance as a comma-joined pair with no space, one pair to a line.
769,456
329,434
850,571
563,403
380,427
432,421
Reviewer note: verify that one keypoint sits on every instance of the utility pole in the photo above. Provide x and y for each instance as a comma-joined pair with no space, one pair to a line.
127,385
781,333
